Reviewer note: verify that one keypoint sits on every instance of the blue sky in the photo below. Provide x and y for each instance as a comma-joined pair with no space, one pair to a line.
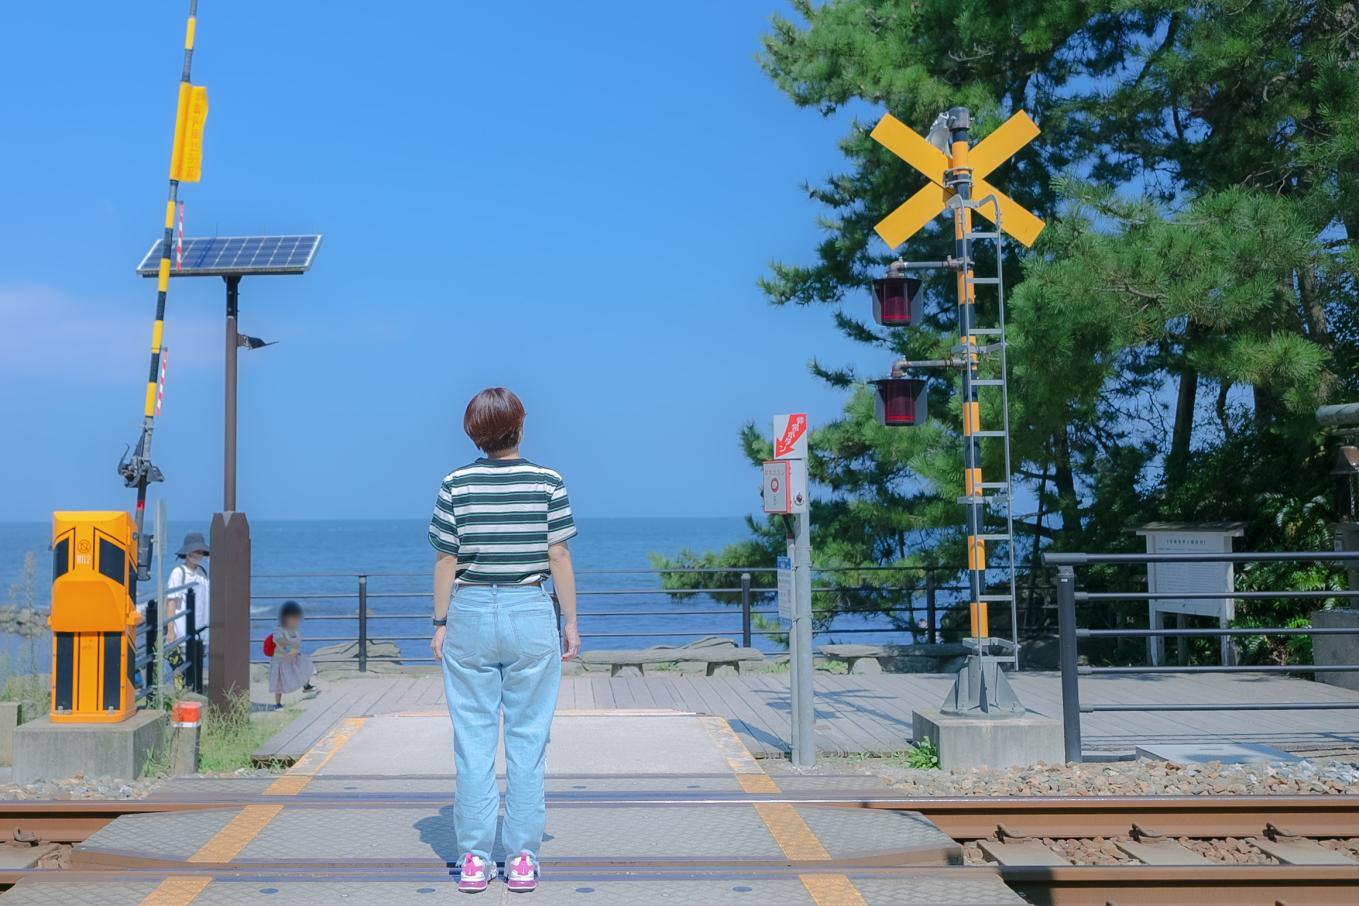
573,200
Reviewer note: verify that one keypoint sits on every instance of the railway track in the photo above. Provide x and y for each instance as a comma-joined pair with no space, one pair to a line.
964,817
1286,835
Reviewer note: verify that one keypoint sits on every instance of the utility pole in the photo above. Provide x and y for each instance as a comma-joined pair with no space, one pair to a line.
804,703
233,345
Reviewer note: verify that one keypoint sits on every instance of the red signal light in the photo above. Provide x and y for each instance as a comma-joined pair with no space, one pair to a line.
901,402
896,300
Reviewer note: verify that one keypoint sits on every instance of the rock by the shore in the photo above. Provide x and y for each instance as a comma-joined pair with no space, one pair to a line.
26,622
349,651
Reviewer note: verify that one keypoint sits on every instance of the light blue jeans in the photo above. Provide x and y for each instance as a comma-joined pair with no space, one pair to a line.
502,652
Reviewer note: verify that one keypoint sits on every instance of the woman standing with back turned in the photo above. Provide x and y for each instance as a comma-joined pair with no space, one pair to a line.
500,526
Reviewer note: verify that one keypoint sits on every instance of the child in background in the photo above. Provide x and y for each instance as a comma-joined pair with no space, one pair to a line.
289,668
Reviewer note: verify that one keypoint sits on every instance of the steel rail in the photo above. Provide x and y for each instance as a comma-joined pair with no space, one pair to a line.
961,817
1074,885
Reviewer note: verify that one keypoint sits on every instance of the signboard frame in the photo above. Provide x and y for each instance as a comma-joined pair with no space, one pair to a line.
784,490
1196,578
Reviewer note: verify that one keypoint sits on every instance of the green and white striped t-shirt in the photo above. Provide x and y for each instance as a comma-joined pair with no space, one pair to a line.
498,516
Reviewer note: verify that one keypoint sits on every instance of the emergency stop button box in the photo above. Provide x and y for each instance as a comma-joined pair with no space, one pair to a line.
785,486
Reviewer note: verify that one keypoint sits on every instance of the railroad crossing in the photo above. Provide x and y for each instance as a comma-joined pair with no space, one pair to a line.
672,810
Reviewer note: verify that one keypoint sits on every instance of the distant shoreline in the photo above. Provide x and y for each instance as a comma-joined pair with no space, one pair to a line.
323,519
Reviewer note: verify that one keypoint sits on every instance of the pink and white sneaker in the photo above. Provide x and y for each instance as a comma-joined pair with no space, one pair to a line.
521,873
476,874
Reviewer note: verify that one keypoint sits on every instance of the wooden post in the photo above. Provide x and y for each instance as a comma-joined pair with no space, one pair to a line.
229,612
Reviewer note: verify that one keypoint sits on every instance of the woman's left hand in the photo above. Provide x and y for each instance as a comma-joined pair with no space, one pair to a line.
436,644
570,641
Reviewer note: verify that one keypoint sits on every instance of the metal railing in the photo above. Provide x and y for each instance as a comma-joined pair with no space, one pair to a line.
748,617
1070,633
181,660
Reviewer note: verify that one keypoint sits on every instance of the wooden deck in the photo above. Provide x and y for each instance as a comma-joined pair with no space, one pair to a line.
872,713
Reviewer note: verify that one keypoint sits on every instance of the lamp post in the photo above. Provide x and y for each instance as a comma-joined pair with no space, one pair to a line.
231,258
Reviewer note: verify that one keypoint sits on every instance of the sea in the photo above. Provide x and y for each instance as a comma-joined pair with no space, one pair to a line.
319,562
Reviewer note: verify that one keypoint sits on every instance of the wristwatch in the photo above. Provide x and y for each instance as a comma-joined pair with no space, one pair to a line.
443,622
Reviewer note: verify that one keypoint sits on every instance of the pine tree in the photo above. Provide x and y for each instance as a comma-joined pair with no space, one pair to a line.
1191,301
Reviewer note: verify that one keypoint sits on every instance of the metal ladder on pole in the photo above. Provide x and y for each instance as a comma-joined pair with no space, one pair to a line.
997,496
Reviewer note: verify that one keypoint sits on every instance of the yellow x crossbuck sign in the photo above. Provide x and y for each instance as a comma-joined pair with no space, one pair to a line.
925,205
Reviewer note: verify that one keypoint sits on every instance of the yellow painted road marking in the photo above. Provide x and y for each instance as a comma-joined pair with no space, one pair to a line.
315,758
228,842
832,890
177,891
791,832
749,774
794,837
757,783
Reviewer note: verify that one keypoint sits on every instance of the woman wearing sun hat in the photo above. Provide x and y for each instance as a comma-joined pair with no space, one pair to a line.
189,572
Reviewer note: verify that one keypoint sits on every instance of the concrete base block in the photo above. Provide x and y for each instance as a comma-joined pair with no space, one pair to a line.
994,742
1224,752
47,751
1334,650
11,715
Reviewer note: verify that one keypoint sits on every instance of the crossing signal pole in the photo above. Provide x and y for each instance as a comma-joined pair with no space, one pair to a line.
957,182
785,493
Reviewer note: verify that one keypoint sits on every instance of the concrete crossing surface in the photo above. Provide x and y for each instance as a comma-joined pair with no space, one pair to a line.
872,713
645,806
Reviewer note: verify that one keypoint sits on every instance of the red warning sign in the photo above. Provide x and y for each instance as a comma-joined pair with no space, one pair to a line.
790,436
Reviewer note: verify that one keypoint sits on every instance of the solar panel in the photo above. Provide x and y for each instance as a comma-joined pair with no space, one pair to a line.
225,256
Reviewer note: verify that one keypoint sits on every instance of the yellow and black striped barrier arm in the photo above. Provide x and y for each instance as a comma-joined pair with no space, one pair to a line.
185,165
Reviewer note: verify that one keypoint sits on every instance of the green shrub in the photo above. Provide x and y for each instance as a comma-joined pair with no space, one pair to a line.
923,756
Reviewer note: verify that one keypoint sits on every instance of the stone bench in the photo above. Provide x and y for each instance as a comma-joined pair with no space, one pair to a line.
938,658
715,655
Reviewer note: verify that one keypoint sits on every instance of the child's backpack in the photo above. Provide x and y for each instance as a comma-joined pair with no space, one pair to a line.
269,645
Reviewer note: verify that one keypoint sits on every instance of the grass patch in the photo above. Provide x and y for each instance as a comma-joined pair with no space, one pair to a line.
21,680
231,733
31,689
227,738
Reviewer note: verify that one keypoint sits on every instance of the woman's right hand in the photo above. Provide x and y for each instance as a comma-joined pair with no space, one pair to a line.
436,644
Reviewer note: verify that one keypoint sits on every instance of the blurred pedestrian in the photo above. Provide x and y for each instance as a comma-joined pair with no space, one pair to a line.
290,668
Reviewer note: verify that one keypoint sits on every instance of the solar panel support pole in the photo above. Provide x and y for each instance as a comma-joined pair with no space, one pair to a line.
229,427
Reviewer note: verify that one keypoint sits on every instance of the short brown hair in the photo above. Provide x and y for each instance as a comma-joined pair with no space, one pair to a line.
494,419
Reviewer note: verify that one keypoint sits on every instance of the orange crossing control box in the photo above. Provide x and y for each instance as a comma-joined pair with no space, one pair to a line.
94,618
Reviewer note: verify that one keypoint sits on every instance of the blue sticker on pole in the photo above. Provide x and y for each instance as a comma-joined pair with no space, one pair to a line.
785,567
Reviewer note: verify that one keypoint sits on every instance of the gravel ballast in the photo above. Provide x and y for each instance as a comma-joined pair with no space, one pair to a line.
78,787
1143,777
